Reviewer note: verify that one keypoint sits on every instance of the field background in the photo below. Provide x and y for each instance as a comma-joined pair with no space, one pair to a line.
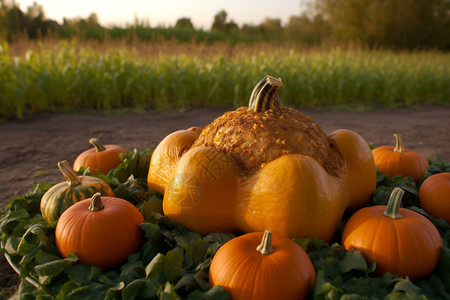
62,76
346,54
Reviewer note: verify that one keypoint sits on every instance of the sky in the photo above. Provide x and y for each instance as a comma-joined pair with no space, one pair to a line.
167,12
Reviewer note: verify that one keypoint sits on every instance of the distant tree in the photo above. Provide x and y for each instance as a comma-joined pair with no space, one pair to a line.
3,20
271,26
184,23
389,23
15,22
220,20
311,30
220,23
35,22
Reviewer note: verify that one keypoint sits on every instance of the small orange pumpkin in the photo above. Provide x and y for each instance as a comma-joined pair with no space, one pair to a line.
258,265
434,196
101,158
400,161
101,231
399,240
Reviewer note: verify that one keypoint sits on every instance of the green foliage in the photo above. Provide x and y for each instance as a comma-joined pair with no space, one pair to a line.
66,77
173,263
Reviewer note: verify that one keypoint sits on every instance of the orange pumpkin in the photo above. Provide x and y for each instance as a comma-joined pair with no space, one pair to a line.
434,196
261,266
400,161
399,240
101,158
101,231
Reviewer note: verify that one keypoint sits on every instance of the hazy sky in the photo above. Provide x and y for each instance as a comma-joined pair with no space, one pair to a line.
166,12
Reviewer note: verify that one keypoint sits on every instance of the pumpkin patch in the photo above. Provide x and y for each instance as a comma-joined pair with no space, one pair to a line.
191,220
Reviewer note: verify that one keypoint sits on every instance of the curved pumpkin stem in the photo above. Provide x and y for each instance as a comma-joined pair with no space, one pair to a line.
96,202
266,244
398,143
97,144
393,205
265,94
68,173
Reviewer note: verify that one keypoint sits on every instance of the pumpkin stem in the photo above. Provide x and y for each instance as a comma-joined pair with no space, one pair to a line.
398,143
68,173
97,144
266,243
96,202
265,94
393,205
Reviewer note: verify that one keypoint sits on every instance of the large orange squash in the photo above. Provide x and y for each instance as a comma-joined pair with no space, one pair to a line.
261,167
399,240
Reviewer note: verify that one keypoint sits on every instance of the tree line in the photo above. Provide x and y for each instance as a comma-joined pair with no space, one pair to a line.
393,24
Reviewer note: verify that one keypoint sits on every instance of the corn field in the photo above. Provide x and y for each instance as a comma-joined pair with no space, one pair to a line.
67,76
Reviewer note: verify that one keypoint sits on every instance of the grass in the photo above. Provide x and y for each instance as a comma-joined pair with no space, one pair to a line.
65,76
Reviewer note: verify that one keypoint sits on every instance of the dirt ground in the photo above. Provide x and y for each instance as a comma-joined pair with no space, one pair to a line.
31,148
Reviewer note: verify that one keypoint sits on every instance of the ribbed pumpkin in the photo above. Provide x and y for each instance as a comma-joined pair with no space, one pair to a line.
101,158
261,266
101,231
260,167
64,194
434,196
399,240
398,160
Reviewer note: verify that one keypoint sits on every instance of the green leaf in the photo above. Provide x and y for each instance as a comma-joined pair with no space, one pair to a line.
168,293
155,242
216,240
49,270
216,293
132,270
151,209
195,250
406,286
165,268
310,244
79,274
10,220
139,289
354,260
134,190
133,163
67,287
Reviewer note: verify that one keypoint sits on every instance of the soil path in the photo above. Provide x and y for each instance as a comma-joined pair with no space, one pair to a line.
30,149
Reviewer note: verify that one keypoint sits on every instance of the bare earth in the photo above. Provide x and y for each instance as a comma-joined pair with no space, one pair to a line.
31,148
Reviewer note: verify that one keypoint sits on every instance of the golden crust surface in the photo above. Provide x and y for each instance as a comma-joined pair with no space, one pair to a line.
253,139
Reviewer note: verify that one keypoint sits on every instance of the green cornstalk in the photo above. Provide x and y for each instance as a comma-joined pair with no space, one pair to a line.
66,76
